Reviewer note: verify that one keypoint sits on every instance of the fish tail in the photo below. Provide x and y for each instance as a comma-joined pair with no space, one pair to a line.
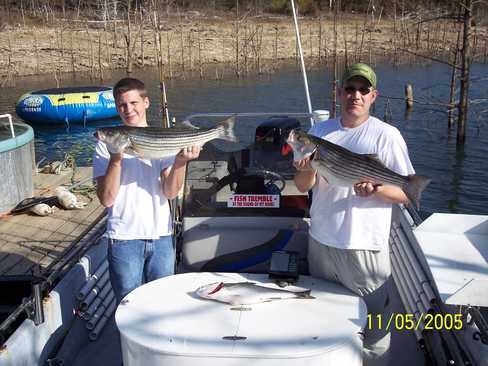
227,129
416,185
227,140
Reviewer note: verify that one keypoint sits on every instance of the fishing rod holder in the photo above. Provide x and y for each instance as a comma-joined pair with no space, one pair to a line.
33,305
482,324
37,309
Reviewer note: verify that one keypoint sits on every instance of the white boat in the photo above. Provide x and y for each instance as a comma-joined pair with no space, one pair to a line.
236,209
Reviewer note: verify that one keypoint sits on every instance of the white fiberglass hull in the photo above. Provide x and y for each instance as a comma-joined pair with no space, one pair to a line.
165,323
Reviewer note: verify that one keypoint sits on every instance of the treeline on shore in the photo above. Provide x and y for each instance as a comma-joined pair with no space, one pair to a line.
12,11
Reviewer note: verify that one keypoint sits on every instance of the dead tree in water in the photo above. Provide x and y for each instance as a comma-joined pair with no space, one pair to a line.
237,39
333,110
464,77
452,91
128,40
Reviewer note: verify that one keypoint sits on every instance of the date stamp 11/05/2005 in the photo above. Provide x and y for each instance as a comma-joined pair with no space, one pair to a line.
405,321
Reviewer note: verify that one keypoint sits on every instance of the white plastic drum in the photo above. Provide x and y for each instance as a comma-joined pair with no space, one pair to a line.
165,323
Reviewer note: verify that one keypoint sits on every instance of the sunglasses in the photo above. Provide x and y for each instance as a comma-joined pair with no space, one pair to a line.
362,90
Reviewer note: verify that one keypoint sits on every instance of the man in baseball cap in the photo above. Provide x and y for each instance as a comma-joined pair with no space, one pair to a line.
350,226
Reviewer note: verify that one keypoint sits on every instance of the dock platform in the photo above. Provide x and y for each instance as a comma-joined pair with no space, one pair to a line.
29,242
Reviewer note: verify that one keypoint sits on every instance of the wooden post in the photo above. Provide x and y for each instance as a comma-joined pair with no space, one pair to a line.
409,96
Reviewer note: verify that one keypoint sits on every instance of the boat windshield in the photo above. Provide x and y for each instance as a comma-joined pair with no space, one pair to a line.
251,178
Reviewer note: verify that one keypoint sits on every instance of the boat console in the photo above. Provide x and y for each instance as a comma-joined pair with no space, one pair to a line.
240,206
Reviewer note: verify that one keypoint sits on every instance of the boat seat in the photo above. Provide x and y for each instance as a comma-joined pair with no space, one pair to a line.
240,244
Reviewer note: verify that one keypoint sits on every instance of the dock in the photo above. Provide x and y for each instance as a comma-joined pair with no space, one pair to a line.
31,243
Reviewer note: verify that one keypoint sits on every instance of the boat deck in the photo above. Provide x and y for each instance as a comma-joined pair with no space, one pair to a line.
28,240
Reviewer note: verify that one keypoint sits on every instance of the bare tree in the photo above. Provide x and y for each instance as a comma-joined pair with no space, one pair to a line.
465,69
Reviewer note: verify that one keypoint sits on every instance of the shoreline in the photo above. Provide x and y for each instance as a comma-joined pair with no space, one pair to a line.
197,45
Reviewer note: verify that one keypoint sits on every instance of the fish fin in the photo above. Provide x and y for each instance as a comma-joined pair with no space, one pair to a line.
131,150
217,288
371,156
306,152
416,184
186,123
227,141
230,284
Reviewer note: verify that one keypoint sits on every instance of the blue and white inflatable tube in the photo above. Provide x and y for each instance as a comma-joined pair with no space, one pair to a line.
67,105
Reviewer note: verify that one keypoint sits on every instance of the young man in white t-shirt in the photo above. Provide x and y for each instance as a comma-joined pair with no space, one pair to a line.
349,231
136,192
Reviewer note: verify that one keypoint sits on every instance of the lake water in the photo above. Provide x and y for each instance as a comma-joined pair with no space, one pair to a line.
460,176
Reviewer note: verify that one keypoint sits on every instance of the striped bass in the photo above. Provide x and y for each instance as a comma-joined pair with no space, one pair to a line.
344,168
245,293
158,142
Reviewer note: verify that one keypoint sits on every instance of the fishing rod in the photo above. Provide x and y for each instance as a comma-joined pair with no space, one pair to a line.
164,104
302,62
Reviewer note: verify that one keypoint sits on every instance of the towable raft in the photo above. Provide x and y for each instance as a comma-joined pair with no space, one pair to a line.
67,105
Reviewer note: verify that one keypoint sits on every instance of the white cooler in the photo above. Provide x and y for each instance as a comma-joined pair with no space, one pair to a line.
165,323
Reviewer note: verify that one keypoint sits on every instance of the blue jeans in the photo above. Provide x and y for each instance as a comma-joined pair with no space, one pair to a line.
134,262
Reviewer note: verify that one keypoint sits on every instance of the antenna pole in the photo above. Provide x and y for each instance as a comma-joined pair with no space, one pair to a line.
302,62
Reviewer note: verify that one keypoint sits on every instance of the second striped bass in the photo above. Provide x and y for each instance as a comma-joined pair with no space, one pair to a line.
342,167
158,142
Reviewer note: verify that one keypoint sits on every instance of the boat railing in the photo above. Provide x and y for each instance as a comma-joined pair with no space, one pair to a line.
45,281
251,114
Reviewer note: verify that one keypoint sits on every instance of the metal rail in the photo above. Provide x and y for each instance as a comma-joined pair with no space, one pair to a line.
9,116
32,306
251,114
302,62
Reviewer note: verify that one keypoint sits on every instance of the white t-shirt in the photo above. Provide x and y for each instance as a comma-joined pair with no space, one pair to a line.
341,219
140,210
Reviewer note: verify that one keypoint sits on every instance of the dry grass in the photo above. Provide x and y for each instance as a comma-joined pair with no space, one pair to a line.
197,43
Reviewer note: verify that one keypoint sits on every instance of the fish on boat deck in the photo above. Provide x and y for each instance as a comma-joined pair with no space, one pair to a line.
344,168
42,209
27,204
158,142
245,293
67,199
